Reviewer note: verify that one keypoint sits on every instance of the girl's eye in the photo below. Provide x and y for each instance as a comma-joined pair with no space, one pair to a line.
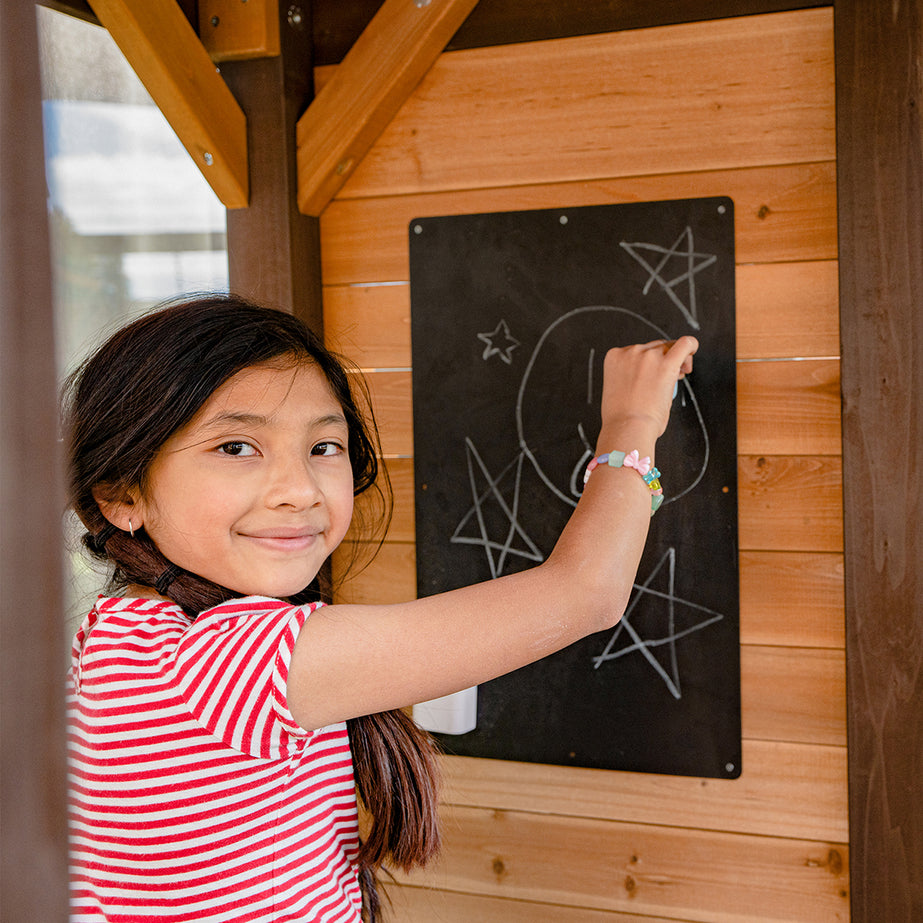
237,449
327,448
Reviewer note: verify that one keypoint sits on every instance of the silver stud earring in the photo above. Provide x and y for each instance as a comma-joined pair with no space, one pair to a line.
131,529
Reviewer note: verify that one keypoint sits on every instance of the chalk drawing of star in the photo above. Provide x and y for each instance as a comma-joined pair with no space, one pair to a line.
690,263
501,334
488,502
672,634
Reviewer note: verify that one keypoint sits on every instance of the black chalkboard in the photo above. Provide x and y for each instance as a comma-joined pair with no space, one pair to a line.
511,315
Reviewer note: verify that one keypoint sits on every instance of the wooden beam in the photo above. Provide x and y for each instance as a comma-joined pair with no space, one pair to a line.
33,836
504,22
880,195
386,63
273,249
162,47
232,30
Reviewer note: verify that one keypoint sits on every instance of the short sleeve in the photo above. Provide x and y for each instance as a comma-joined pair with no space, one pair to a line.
77,646
232,671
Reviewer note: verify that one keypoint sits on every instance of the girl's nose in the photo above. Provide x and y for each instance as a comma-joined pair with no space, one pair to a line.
293,484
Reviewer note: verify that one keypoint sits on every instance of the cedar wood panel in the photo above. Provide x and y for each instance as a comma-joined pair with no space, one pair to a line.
539,842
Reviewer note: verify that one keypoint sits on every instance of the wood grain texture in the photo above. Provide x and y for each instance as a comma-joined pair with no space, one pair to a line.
781,214
369,324
350,111
412,904
502,22
786,789
880,152
788,310
704,96
792,598
790,503
789,408
231,30
608,865
274,250
793,694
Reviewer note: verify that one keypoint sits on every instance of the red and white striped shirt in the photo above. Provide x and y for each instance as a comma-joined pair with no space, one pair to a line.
195,795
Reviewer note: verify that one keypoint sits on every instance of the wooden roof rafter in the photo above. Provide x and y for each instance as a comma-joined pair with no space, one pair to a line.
175,68
381,70
383,67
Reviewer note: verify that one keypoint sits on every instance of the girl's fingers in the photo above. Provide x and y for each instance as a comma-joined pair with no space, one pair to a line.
682,349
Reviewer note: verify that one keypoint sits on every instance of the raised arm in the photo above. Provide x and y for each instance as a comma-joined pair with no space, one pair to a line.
358,659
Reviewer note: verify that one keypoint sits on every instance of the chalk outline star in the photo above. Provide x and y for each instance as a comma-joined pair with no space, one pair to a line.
491,349
689,254
515,528
643,645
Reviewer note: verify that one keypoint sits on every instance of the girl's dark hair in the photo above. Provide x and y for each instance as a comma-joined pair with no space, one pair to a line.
149,380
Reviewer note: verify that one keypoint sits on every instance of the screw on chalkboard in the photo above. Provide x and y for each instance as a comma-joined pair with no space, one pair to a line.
418,229
729,767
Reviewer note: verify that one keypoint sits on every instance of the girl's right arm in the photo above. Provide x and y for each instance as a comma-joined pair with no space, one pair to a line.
358,659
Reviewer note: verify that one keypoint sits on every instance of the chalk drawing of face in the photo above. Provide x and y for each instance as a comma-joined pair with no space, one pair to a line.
557,407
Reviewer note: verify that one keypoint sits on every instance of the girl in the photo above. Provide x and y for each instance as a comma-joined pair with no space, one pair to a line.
223,718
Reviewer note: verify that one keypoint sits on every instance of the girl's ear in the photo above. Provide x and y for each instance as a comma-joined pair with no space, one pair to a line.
121,507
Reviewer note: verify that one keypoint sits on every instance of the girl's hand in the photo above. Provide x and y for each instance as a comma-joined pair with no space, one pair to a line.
639,382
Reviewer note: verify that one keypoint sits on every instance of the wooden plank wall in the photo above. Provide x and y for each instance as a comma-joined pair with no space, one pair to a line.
740,107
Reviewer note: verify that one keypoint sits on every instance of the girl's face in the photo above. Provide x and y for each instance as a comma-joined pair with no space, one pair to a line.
257,490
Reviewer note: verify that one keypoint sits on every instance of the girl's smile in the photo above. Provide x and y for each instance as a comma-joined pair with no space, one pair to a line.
257,490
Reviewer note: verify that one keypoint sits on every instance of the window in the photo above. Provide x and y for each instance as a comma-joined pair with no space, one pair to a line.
133,222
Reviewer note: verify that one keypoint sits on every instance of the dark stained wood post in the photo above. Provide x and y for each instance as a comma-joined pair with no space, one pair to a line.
33,843
879,46
273,249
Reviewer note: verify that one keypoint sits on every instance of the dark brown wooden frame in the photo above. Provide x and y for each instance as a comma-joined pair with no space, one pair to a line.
880,206
33,843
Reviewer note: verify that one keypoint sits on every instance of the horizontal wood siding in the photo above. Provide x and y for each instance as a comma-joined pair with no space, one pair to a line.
626,104
740,107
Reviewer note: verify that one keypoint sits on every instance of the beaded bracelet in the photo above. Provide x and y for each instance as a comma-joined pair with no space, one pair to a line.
649,474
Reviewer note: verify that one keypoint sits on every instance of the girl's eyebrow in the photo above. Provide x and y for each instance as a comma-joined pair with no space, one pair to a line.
256,419
246,419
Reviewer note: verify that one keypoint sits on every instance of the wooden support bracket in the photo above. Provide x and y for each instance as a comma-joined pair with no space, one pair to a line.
171,62
379,72
237,30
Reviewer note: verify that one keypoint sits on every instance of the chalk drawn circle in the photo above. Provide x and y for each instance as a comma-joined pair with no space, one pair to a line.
567,486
